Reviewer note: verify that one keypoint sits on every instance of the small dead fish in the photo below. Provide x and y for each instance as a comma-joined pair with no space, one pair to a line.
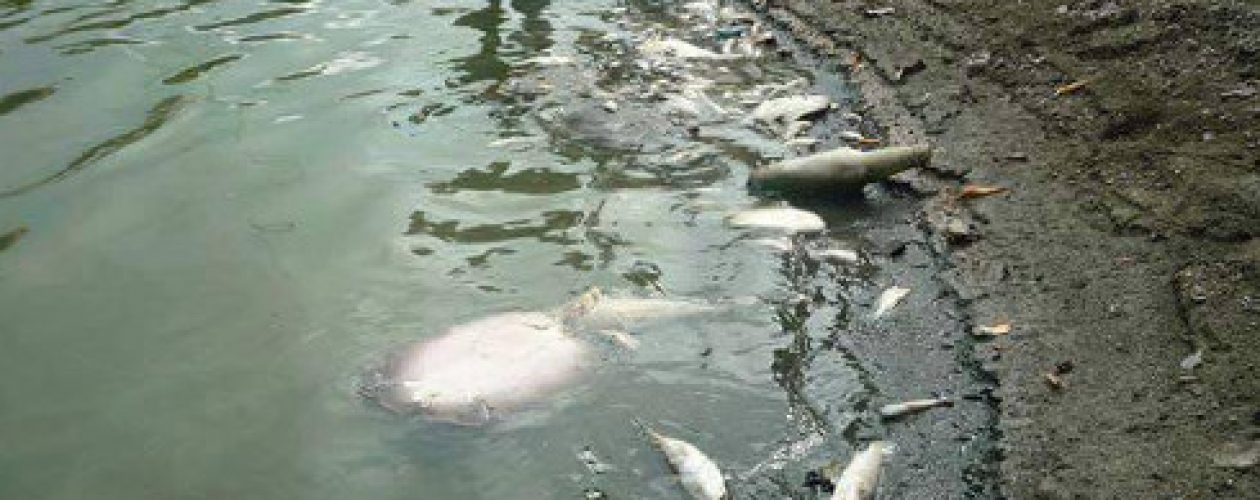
1071,87
698,474
861,477
548,61
790,109
889,299
838,255
899,409
788,219
1192,361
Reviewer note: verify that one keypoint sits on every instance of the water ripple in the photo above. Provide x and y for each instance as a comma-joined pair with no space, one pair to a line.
13,101
158,115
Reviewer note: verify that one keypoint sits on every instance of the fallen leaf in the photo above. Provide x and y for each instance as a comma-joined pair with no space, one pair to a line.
1071,87
868,141
994,330
1053,381
975,191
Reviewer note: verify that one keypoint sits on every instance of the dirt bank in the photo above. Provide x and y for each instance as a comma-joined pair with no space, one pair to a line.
1128,134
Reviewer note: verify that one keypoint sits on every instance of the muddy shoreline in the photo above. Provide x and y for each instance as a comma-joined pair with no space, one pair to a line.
1127,242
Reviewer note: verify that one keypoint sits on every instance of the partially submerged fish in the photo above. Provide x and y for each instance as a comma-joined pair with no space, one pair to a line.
596,311
889,299
477,369
861,477
786,219
842,169
899,409
698,474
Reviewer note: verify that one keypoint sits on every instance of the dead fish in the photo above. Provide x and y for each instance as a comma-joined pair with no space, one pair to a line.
838,255
601,313
842,169
673,47
889,299
472,371
899,409
784,110
861,477
549,61
698,474
1237,455
787,219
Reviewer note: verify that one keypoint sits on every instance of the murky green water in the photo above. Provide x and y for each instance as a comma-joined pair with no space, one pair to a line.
235,206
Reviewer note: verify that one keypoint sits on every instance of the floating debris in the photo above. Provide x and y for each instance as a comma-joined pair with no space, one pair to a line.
698,474
915,406
889,299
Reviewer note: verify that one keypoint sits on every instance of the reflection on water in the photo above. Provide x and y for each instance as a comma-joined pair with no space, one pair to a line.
205,274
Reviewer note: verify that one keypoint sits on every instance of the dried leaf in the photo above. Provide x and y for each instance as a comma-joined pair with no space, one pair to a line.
975,191
1054,381
1071,87
868,141
1002,328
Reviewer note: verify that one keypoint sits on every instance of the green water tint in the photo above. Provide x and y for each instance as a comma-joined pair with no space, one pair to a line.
232,212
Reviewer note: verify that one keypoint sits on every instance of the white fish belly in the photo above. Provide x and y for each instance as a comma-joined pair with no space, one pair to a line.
498,362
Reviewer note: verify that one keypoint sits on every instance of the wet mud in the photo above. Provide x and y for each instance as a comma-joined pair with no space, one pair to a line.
1123,255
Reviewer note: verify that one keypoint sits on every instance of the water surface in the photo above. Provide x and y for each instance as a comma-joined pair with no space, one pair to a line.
235,206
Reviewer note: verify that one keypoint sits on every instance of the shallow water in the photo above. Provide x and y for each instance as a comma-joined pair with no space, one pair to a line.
234,207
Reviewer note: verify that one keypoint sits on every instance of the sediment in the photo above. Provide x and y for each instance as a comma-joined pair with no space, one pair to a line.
1126,136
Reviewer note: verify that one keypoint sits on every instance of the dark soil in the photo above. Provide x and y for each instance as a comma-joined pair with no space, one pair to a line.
1128,134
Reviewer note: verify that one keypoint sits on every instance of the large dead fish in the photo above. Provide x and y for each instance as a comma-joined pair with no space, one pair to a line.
698,474
473,371
842,169
861,477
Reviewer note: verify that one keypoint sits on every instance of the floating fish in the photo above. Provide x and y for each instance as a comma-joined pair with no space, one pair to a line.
613,313
473,371
698,474
677,48
861,477
842,169
786,219
899,409
889,299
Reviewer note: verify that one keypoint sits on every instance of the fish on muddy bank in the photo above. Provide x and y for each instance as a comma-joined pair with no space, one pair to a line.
785,219
859,480
786,110
888,299
894,410
698,474
839,170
